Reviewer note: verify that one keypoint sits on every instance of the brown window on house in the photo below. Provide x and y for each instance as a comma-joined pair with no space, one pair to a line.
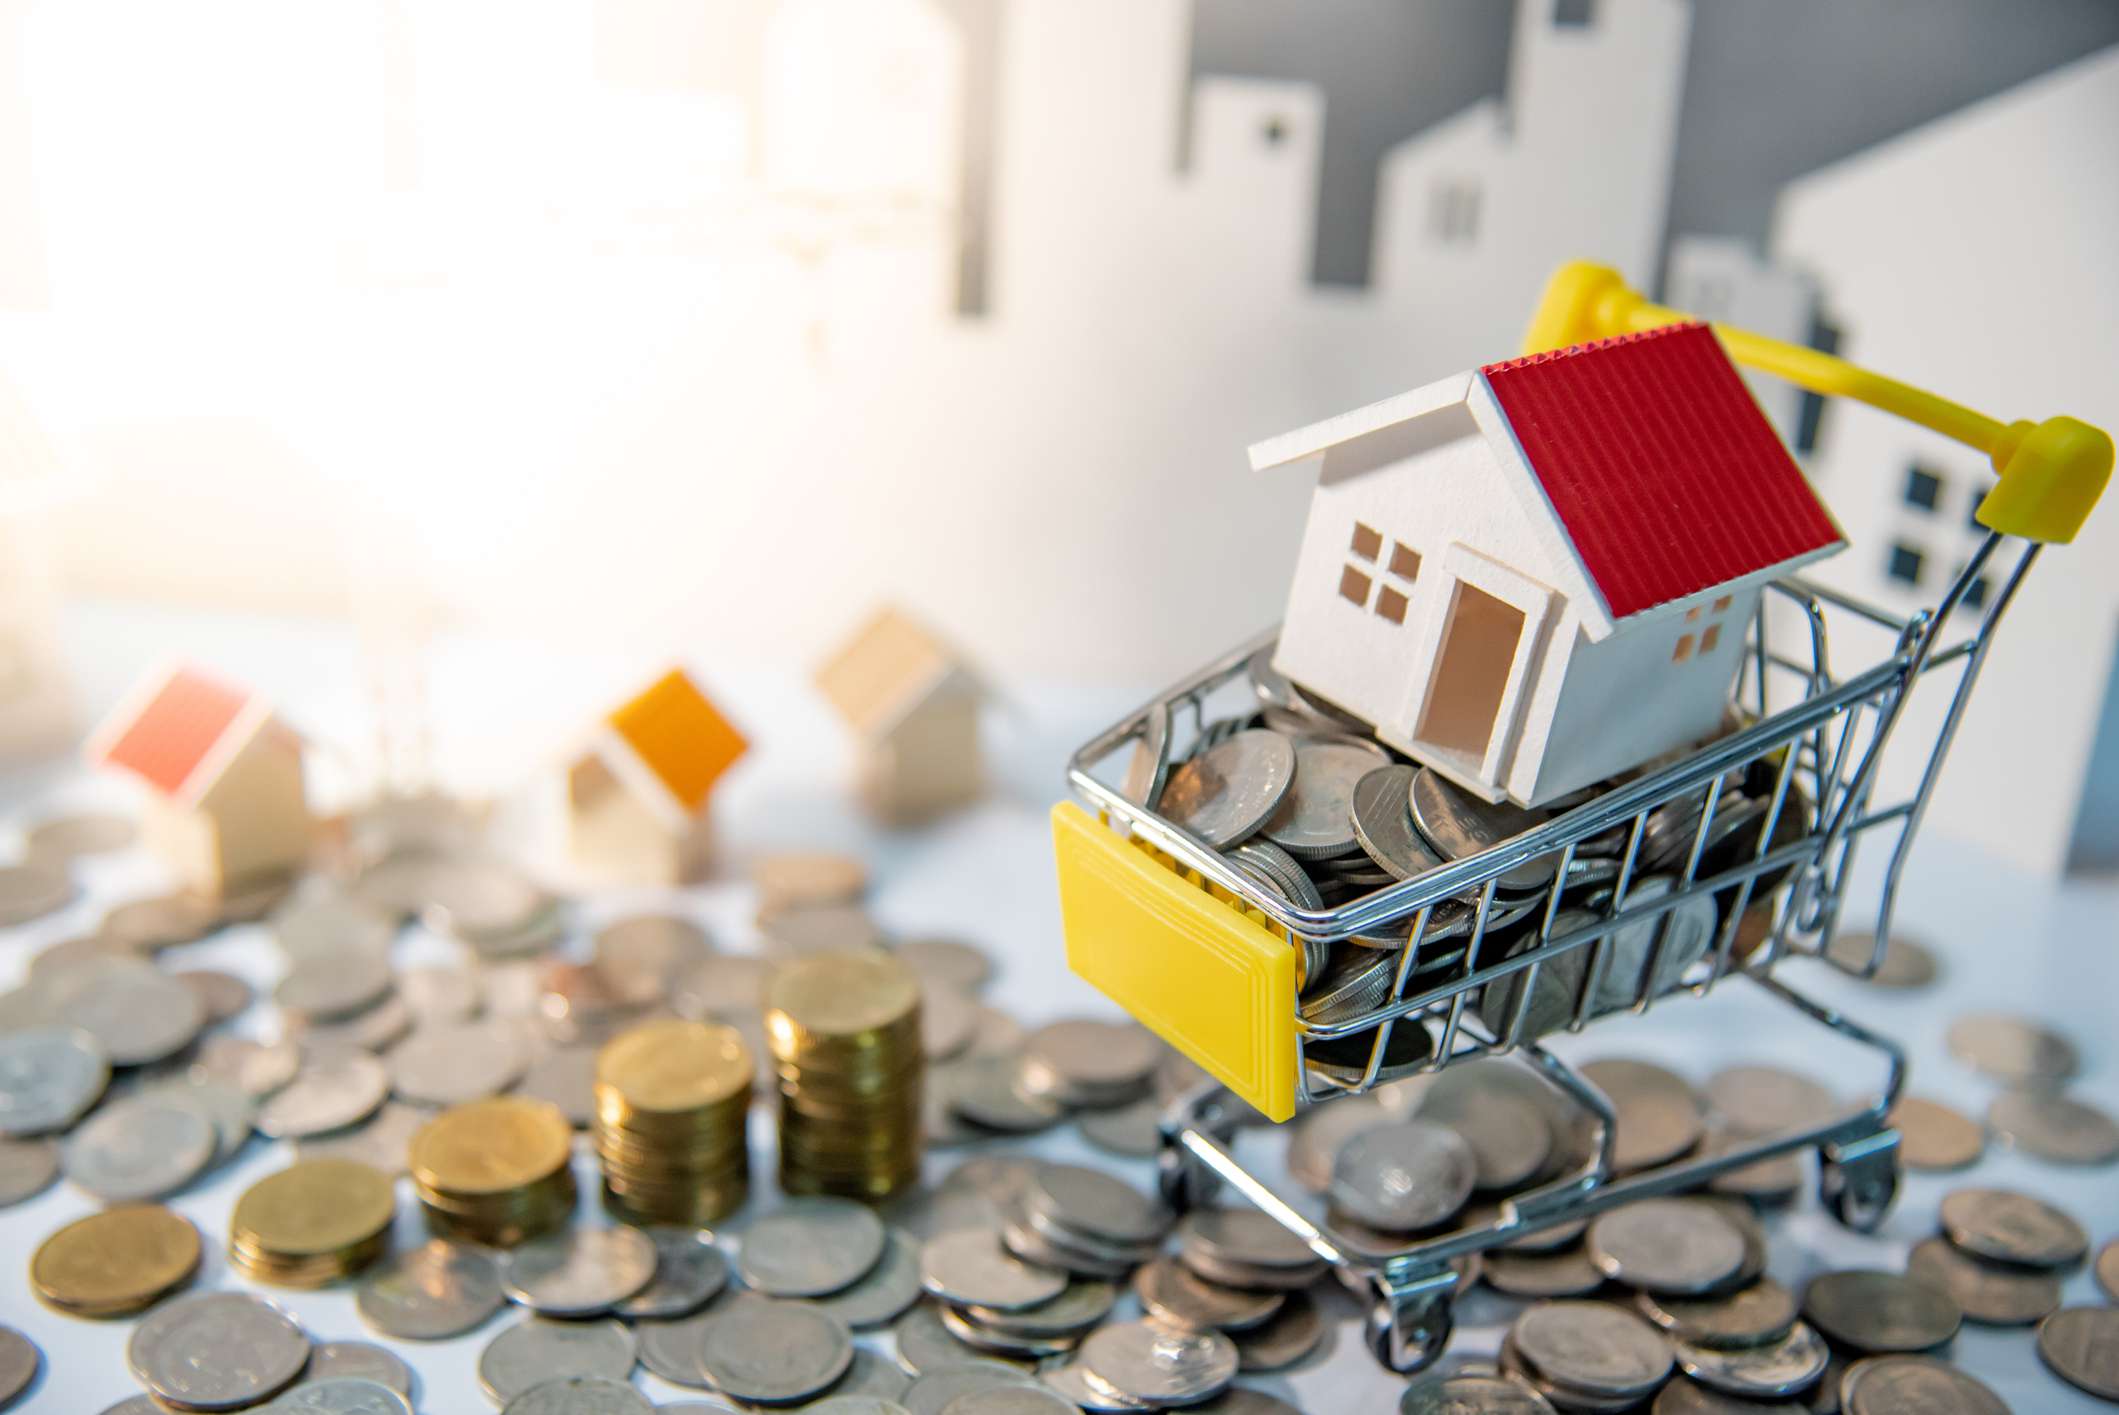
1710,638
1684,649
1354,586
1692,615
1405,561
1368,542
1721,603
1390,604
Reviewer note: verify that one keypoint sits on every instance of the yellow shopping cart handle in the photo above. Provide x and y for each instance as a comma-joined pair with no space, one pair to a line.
2051,472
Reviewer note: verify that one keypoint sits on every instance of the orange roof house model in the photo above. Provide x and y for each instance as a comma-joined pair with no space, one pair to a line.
225,803
914,707
636,795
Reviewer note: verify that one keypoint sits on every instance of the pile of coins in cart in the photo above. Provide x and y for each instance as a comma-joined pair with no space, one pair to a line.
1311,808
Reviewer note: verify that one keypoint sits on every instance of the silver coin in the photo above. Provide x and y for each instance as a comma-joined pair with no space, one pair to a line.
382,1142
1784,1367
1071,1382
163,921
578,1272
1509,1139
139,1013
27,1169
852,1405
2013,1049
1567,1272
1685,1396
1091,1202
138,1149
995,1093
1133,1130
1905,964
1457,824
1548,1001
2107,1270
1096,1056
216,1351
364,1360
1084,1303
540,1349
1914,1385
2081,1346
1357,982
318,922
33,889
86,951
643,954
565,1076
689,1272
699,1407
819,928
671,1350
1011,1400
375,1028
1152,1363
62,838
341,1395
773,1352
1277,870
49,1077
137,1405
1181,1297
971,1332
809,1247
1650,957
435,994
932,1392
1284,1338
332,1090
327,986
871,1374
2012,1228
1593,1347
947,961
455,1062
1672,1246
1990,1293
1215,1241
1471,1393
970,1268
947,1019
262,1070
1345,1062
1315,817
1880,1312
228,1108
1383,822
888,1289
1319,1132
580,1395
2054,1128
1227,792
437,1290
19,1362
1934,1136
1767,1100
1148,768
924,1344
1658,1116
1405,1176
1750,1316
224,995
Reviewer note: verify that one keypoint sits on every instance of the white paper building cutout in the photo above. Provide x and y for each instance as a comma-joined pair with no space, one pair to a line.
1539,574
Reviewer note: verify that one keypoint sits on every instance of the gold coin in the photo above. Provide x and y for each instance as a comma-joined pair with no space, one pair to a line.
314,1207
491,1146
670,1067
837,995
117,1261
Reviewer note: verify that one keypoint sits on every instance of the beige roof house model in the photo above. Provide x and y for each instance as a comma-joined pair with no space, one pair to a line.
914,706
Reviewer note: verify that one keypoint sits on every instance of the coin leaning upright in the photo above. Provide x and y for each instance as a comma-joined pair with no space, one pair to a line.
1226,793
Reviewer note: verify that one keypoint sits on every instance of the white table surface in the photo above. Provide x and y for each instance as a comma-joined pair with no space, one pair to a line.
2006,941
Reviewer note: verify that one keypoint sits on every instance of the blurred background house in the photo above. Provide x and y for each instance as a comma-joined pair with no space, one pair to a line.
707,323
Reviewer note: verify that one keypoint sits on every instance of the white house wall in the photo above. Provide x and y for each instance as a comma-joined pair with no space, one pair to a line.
2012,305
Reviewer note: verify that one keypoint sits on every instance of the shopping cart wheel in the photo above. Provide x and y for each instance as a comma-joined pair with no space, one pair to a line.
1859,1191
1183,1181
1409,1326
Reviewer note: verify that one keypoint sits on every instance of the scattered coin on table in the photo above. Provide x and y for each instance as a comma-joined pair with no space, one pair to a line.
2013,1049
2012,1227
217,1351
1934,1136
1988,1292
1878,1312
20,1360
772,1351
2055,1128
1905,964
810,1246
540,1349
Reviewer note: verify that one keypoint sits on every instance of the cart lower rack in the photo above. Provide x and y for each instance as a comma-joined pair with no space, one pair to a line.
1719,863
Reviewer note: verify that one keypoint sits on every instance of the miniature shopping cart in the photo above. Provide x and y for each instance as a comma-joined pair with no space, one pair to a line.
1200,952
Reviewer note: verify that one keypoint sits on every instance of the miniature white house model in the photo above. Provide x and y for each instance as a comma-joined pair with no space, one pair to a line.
1539,574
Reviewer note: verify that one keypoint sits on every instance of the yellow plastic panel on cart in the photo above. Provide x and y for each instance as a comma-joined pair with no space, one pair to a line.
1199,973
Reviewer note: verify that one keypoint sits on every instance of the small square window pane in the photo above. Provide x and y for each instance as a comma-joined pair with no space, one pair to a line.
1390,604
1405,561
1684,649
1368,542
1692,615
1923,488
1354,586
1975,594
1904,563
1721,603
1710,637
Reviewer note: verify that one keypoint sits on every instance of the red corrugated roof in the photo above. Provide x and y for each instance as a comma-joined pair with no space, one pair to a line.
174,730
1667,477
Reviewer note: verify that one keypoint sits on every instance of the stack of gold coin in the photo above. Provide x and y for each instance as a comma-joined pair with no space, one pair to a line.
495,1171
672,1098
844,1029
312,1223
119,1261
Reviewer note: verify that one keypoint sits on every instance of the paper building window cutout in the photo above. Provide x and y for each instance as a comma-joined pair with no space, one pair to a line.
1453,211
1975,594
1368,542
1354,587
1709,637
1390,603
1573,14
1405,561
1721,603
1692,615
1904,564
1923,488
1683,650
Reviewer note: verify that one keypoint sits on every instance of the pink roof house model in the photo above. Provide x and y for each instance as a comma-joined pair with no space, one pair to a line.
1537,575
